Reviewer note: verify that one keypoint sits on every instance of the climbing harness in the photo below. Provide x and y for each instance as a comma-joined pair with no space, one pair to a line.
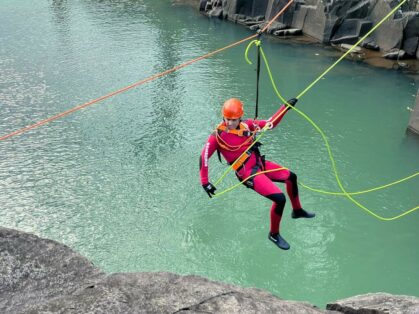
243,129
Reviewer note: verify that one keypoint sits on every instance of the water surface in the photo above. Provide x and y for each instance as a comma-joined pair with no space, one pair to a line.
118,181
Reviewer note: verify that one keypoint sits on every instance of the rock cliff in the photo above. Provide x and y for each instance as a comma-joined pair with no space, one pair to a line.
43,276
330,21
414,117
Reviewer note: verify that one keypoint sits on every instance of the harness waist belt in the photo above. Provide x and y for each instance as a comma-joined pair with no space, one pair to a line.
239,163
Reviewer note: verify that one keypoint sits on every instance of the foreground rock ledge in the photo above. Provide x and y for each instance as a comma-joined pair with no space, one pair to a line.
43,276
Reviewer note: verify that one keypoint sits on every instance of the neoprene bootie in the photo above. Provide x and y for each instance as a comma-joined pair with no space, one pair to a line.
279,241
301,213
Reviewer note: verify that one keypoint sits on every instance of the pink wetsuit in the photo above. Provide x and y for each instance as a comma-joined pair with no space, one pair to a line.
261,183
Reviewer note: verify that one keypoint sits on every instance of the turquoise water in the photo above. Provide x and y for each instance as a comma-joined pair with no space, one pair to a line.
118,181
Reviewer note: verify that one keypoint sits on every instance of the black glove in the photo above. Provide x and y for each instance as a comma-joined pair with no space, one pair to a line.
292,102
209,188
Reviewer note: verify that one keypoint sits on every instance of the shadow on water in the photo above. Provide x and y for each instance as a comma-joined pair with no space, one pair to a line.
166,99
61,16
61,19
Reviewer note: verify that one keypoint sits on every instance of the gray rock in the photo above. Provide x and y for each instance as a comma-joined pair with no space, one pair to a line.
213,8
414,117
236,18
377,303
260,18
216,12
288,32
300,16
329,21
368,43
320,21
43,276
245,7
346,47
336,12
255,27
274,6
410,45
359,9
411,34
33,270
315,22
275,26
350,31
356,52
251,21
170,293
202,5
389,35
395,54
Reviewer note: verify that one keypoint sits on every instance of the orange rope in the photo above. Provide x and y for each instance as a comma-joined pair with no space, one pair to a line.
232,148
149,79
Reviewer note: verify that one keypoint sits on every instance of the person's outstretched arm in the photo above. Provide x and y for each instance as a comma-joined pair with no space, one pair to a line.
277,116
208,150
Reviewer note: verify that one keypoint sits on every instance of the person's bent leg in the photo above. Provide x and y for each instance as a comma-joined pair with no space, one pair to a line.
292,191
265,187
290,180
277,209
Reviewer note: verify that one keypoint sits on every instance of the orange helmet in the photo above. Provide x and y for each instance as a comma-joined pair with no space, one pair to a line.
232,109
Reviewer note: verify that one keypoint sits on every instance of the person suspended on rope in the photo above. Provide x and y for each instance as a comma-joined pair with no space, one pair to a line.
231,139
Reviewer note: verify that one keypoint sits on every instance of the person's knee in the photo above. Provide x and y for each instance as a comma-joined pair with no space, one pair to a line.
280,200
294,187
293,177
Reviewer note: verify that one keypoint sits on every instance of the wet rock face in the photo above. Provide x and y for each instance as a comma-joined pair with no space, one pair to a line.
329,21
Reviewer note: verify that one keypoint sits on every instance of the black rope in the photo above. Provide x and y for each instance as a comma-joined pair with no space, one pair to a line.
257,80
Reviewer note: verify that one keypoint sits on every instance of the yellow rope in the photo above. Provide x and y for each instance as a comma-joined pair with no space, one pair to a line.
344,192
249,177
360,192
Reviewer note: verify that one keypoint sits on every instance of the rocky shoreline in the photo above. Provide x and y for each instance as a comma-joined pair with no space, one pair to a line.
43,276
336,23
